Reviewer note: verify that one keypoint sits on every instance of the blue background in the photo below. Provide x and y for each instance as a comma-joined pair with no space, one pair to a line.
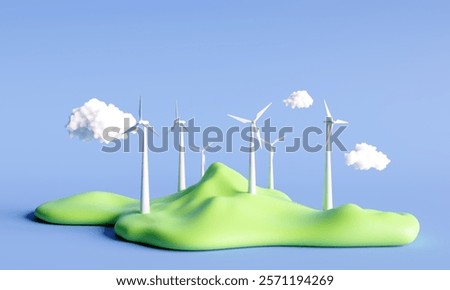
381,65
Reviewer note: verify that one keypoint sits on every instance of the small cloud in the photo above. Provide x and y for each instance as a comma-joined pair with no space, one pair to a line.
366,156
299,99
89,121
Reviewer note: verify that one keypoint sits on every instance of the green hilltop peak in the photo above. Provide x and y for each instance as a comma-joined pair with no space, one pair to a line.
221,180
218,169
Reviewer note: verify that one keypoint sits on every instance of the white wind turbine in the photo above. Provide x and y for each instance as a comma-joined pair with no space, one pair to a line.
271,157
145,187
254,133
328,189
180,127
203,160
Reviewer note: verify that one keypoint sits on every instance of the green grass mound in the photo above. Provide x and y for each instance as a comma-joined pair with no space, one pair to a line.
90,208
218,213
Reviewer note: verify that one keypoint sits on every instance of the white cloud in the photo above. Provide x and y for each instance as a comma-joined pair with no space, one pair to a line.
366,156
299,99
89,121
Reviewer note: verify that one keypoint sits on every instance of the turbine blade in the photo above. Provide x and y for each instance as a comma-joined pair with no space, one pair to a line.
265,142
177,117
328,110
140,108
131,129
194,148
154,132
340,122
277,140
242,120
152,129
260,113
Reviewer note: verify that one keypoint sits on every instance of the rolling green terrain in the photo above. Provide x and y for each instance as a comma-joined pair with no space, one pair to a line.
217,213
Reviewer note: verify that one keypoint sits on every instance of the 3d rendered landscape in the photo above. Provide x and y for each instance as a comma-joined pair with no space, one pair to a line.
218,213
225,209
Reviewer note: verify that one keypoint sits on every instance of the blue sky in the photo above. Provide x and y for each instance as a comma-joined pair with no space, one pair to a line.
381,65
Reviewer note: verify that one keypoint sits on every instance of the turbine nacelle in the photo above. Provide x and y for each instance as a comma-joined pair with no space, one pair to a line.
144,123
252,123
329,119
141,123
179,126
178,123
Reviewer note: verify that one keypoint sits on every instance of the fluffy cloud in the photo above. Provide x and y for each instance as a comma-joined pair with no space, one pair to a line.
366,156
299,99
89,121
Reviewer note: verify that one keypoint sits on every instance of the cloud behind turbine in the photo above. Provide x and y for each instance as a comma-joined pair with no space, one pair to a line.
89,121
365,157
299,99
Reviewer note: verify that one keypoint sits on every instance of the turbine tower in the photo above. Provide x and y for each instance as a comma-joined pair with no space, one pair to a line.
203,160
145,187
271,157
254,133
328,189
179,126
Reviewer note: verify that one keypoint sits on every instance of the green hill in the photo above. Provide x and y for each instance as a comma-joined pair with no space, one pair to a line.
218,213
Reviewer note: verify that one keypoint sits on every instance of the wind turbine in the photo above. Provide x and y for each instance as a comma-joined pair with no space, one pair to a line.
180,127
271,157
328,190
203,160
254,132
145,188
